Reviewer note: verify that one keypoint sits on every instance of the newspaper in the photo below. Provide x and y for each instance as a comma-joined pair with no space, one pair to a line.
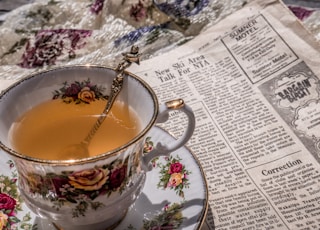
252,81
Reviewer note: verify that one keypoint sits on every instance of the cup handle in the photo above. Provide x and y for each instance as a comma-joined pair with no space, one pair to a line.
162,149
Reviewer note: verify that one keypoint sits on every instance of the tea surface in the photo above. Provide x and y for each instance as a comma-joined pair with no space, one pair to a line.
47,129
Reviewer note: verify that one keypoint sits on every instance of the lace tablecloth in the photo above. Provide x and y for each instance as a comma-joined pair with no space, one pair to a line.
49,33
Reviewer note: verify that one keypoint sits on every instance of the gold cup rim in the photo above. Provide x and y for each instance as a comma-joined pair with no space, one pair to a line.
90,159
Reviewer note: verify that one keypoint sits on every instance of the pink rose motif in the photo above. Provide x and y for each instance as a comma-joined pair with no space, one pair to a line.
117,177
175,168
7,202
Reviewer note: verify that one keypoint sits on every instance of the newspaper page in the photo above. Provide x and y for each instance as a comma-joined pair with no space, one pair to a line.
253,83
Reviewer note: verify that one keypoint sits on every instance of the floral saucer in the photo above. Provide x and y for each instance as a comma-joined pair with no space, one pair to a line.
175,195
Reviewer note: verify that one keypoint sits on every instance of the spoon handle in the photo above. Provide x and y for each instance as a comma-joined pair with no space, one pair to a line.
117,83
116,87
115,90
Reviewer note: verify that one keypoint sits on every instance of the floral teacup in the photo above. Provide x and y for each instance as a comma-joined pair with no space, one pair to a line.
92,192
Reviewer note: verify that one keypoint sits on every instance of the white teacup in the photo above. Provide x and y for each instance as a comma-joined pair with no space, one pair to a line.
93,192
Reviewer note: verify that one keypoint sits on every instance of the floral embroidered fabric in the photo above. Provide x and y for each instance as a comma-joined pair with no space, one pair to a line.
49,33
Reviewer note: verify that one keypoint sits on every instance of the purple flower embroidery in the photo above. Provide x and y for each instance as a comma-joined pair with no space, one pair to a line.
50,44
97,6
138,11
300,12
137,34
182,8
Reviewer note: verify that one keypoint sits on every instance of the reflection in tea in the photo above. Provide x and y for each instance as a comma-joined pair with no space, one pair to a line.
50,127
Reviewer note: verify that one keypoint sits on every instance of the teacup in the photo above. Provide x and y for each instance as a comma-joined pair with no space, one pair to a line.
94,192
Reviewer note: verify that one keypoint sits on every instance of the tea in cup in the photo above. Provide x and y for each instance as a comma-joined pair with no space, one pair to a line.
47,112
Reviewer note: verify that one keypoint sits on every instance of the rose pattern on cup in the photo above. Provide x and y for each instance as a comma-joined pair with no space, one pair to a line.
11,203
93,180
80,92
80,188
84,193
148,147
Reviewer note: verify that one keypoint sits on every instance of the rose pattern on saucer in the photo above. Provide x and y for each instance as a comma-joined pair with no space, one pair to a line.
174,175
80,188
10,203
169,218
80,92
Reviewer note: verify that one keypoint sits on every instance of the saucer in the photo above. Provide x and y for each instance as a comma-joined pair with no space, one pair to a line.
177,199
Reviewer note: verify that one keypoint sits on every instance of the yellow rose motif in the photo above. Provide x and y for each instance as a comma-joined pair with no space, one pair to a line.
86,95
3,220
90,179
175,179
32,181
